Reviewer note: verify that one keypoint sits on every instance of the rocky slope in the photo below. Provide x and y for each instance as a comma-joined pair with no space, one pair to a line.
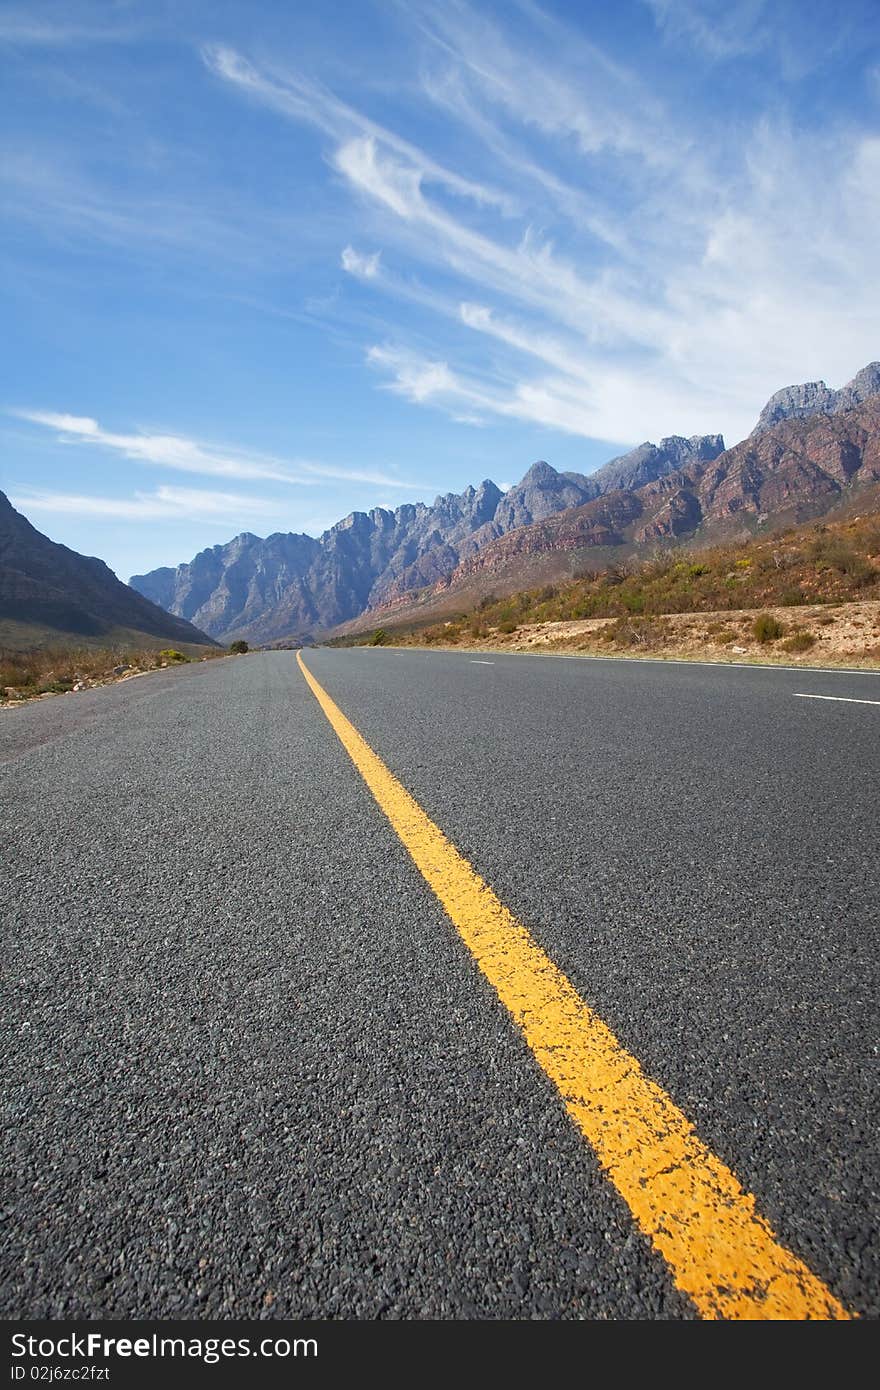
48,592
815,398
290,586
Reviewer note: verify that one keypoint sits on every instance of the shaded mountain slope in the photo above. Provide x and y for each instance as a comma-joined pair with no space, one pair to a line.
46,588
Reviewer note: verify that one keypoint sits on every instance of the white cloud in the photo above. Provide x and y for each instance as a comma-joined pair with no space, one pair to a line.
530,271
165,504
417,378
167,450
603,407
296,96
361,266
720,28
559,83
191,456
25,27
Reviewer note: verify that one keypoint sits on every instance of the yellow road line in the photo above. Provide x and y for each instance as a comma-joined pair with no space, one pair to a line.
720,1250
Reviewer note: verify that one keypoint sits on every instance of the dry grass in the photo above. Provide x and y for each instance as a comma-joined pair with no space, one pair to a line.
847,634
56,670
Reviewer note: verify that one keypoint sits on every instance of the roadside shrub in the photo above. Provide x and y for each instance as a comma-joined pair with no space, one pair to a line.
798,642
507,625
379,638
170,655
633,632
239,647
834,553
766,628
17,671
54,687
725,637
791,598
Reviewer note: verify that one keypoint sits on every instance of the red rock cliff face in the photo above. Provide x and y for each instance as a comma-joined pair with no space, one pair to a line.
795,464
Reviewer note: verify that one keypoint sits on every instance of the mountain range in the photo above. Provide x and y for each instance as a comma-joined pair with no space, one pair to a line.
288,587
813,449
794,471
48,592
291,587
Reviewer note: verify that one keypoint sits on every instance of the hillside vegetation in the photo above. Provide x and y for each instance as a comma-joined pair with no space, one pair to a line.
817,564
55,670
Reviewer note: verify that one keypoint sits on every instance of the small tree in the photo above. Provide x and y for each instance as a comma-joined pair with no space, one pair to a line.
239,648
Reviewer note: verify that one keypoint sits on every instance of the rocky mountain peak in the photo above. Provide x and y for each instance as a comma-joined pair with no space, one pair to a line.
816,398
648,462
539,474
864,384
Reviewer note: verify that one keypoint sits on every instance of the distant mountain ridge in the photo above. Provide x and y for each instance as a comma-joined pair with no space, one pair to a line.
795,470
290,586
815,398
46,587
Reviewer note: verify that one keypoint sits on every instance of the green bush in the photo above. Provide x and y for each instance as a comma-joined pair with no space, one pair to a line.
766,628
169,654
798,642
507,625
239,647
54,687
379,638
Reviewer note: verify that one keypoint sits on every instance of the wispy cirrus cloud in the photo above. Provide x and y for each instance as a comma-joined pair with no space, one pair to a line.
192,456
529,271
654,271
721,28
71,206
560,84
163,504
41,26
363,267
304,100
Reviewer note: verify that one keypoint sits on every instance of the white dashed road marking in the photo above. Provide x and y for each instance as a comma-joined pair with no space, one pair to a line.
845,699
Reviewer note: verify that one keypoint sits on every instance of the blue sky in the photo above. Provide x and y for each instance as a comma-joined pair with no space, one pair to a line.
265,263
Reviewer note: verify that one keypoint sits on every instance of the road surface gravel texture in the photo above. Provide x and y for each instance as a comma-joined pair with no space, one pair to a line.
253,1070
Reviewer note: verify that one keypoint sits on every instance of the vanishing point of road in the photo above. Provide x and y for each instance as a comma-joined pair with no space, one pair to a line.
399,983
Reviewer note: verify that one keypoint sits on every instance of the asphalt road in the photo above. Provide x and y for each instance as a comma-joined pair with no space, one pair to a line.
253,1071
